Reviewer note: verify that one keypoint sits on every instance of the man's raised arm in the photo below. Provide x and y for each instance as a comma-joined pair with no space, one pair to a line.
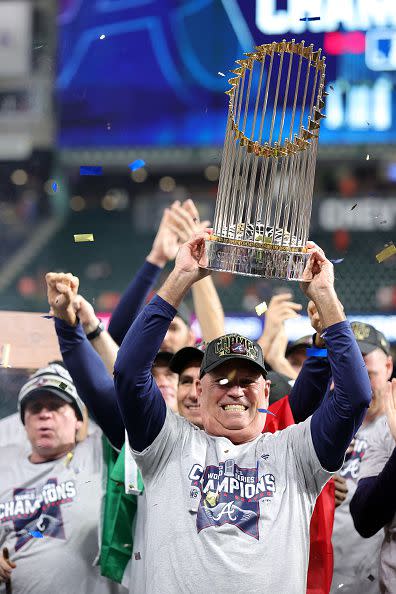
338,418
141,404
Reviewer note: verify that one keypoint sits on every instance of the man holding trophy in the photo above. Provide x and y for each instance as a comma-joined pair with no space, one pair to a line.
227,504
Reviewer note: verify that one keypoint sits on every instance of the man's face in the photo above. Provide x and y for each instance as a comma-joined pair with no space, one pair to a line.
297,357
178,336
229,397
379,367
166,380
51,426
187,398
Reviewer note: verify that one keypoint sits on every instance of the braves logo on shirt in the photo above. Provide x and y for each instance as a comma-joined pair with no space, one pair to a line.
230,495
350,469
37,510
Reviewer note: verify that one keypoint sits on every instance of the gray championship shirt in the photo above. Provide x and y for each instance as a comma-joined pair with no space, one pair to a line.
228,518
61,502
380,447
356,559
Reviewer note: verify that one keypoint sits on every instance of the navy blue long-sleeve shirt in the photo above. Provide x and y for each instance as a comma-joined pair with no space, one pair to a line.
133,300
143,409
93,383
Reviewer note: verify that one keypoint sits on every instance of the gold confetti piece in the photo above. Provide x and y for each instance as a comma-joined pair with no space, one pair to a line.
386,253
84,237
5,355
261,308
69,458
368,157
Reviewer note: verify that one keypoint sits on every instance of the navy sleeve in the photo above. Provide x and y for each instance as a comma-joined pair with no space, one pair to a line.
141,404
93,383
132,301
310,387
374,503
338,418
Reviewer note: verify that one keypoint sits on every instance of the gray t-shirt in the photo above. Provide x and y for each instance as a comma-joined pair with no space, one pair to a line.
379,450
356,559
228,518
63,501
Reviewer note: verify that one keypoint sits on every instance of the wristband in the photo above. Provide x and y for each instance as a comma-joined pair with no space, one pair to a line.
95,333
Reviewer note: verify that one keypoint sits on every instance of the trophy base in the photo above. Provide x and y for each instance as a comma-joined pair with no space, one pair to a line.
253,261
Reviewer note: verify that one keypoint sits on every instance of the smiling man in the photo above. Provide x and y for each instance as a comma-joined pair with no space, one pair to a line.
227,506
50,497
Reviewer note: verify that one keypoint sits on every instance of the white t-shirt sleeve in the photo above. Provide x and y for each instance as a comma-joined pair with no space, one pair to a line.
380,446
310,472
155,457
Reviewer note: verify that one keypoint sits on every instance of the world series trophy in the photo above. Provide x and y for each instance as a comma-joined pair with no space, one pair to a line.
264,199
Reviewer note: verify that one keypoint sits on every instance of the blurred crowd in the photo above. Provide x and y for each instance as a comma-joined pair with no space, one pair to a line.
147,461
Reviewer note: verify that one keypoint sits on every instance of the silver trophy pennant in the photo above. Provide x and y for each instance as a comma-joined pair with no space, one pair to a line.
264,200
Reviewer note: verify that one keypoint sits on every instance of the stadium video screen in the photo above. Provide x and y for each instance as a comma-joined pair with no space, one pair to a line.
154,72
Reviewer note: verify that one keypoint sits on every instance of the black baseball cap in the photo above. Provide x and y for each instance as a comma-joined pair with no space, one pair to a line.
304,341
369,338
232,346
162,358
184,356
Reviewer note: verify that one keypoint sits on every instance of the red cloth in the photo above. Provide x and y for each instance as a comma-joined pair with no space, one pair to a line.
320,568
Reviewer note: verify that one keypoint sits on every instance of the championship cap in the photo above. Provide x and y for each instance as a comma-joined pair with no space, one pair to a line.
54,379
232,346
369,338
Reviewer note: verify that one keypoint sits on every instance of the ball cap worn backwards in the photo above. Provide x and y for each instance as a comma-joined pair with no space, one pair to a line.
54,379
232,346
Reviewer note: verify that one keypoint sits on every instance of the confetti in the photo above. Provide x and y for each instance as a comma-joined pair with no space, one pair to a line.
5,355
91,170
63,386
83,237
264,410
313,352
102,37
69,458
35,533
354,206
221,73
135,165
337,261
47,317
386,253
261,308
367,157
223,381
331,87
137,556
54,186
310,19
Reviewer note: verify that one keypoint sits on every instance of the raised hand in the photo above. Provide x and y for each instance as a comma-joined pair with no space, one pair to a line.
390,406
62,289
85,313
318,275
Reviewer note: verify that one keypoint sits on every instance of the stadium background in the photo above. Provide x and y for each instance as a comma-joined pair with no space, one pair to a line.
105,82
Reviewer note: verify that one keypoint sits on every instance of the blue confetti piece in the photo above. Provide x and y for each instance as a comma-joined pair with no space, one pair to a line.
310,19
91,170
47,317
36,533
54,186
136,164
264,410
337,261
312,352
